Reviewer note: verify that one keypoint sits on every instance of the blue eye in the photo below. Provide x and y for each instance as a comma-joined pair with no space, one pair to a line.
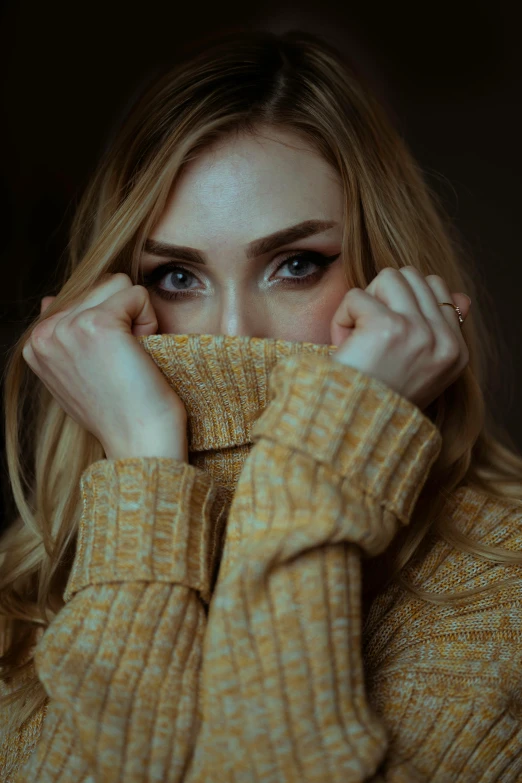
306,258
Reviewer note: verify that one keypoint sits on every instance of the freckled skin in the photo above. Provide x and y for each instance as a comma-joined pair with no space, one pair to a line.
239,190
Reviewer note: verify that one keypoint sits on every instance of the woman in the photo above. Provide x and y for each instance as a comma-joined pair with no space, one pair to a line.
361,621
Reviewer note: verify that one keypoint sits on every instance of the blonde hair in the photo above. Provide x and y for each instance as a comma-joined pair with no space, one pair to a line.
239,83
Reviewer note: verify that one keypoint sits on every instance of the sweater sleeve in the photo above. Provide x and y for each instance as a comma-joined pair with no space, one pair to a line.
121,660
338,463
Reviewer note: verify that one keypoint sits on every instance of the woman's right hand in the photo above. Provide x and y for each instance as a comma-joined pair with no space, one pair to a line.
88,358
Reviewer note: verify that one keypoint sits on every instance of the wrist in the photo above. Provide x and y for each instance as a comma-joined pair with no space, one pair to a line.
150,451
176,447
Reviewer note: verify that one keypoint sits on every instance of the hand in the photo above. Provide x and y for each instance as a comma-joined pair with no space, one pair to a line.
395,331
88,358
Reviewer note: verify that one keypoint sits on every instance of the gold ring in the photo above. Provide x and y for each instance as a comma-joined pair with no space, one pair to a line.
457,310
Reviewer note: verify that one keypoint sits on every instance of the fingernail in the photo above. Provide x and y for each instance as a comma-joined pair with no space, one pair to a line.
467,297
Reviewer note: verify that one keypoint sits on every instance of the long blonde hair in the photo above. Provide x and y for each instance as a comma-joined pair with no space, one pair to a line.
237,84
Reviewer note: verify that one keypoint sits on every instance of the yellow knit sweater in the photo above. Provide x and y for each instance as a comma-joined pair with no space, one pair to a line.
213,629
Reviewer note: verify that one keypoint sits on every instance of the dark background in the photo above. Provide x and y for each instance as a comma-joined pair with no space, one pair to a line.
448,72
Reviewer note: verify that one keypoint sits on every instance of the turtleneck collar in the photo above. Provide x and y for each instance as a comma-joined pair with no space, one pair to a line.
223,382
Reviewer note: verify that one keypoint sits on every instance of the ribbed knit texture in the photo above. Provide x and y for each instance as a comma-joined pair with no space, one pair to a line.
213,629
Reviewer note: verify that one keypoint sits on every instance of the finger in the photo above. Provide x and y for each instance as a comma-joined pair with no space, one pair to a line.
394,290
463,302
132,309
356,305
46,301
427,302
431,290
441,293
105,288
31,358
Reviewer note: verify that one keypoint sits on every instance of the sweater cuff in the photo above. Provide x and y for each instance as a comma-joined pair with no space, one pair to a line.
148,519
355,423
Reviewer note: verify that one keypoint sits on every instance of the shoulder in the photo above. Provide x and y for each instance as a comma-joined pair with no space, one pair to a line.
479,530
482,543
493,521
485,627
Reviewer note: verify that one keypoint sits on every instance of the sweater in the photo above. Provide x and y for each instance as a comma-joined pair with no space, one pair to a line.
213,627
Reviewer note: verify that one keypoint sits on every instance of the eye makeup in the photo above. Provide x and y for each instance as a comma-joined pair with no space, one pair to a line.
308,257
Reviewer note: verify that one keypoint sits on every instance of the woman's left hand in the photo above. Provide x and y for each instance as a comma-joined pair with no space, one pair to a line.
395,331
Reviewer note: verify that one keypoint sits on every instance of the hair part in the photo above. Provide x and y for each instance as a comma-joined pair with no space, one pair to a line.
245,82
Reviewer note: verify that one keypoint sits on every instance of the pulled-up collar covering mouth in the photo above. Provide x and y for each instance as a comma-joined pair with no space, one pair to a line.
223,381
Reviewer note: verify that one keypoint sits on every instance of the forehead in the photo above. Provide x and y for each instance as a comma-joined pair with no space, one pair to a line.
252,186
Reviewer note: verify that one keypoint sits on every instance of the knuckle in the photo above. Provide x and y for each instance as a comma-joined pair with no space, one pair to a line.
388,271
412,270
122,277
394,326
40,335
27,350
61,330
449,349
381,280
422,336
351,294
86,320
114,279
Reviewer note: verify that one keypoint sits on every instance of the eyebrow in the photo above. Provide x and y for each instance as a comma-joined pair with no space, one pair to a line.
256,248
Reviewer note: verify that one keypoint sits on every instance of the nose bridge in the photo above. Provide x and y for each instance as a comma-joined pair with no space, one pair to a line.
242,314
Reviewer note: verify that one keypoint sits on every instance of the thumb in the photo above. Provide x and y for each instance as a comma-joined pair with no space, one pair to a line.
132,310
46,301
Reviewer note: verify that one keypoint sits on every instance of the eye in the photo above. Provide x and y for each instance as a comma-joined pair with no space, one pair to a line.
306,259
295,263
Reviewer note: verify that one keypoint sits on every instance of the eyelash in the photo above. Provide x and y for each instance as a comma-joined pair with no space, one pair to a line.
311,256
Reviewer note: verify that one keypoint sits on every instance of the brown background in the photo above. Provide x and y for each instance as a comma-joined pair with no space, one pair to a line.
450,73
